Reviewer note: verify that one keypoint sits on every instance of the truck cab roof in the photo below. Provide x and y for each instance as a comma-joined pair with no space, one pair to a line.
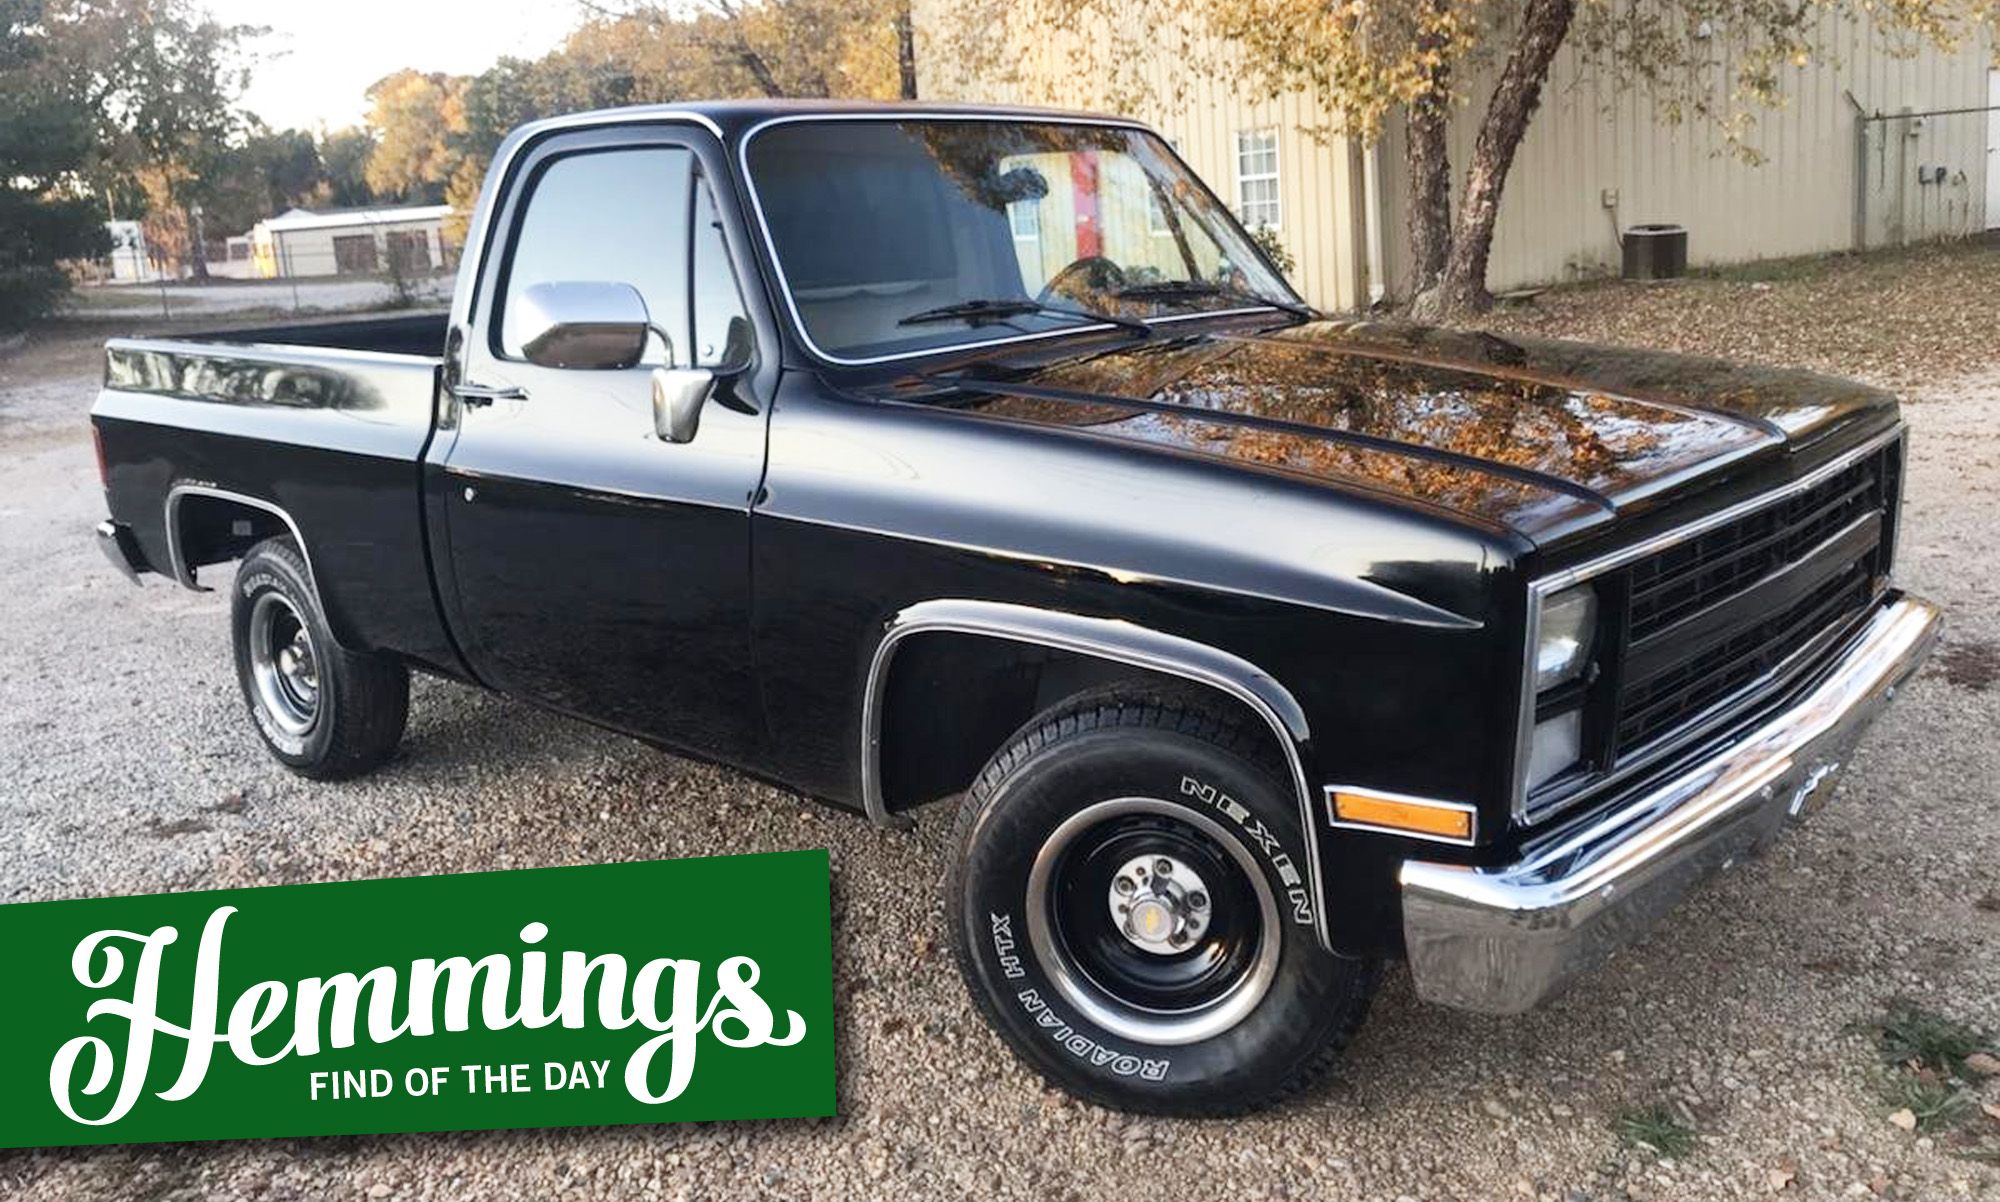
730,119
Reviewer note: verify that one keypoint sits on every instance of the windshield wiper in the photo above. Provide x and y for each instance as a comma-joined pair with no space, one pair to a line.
974,312
1175,289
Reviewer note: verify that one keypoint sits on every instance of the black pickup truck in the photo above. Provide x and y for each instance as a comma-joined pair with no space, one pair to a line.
895,454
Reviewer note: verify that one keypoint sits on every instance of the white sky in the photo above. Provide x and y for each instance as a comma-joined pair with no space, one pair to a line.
321,55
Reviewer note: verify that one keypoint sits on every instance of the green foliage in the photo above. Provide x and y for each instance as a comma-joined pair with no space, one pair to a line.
1655,1129
45,142
1273,246
1937,1103
158,78
1909,1034
343,156
152,82
262,174
1924,1071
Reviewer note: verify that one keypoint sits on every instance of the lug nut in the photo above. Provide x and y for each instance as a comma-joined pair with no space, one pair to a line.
1163,867
1178,937
1124,884
1197,900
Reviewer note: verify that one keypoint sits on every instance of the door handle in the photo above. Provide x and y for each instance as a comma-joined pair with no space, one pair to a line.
475,395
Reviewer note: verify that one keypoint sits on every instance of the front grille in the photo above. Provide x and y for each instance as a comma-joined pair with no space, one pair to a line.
1719,622
1711,593
1690,576
1667,700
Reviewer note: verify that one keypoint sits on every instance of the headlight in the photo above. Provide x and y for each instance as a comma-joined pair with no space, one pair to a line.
1566,635
1568,631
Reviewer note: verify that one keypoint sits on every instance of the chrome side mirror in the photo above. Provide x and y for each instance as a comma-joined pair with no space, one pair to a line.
678,395
591,326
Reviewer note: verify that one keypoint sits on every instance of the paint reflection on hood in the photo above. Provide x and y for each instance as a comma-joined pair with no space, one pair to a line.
1501,431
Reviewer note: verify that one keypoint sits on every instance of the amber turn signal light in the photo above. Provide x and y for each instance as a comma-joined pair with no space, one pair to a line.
1442,820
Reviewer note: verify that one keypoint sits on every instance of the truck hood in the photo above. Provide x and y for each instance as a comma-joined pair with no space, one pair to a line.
1541,437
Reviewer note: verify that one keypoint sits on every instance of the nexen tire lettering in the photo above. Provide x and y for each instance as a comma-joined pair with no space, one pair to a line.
1260,836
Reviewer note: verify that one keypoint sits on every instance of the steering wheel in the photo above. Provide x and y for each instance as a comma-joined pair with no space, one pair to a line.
1090,274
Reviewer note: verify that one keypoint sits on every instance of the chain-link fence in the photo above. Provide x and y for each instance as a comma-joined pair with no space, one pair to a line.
337,271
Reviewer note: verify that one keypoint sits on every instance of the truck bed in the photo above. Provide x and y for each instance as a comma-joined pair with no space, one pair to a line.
417,334
317,430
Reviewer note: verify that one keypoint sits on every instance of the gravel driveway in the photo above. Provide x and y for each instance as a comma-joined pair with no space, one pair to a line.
126,765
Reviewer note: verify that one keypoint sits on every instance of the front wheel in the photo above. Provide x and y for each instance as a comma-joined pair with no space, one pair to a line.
1131,914
325,712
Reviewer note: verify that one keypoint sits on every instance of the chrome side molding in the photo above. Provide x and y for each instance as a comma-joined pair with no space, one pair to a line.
183,571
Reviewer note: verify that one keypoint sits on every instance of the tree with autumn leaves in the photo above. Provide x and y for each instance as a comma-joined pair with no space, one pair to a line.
1367,62
435,134
127,108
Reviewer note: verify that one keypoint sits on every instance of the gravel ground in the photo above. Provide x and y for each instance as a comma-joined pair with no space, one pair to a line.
126,765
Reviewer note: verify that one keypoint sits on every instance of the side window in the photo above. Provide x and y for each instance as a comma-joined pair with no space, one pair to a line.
721,326
613,216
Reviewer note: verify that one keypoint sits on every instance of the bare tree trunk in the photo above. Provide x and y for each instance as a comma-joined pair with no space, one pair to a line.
906,51
199,248
1461,290
1428,157
759,70
745,54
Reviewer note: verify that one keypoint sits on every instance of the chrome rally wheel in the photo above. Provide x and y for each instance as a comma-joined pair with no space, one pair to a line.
326,712
1153,920
1129,912
283,663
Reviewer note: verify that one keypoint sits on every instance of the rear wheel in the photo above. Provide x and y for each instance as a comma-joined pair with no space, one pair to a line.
1131,914
325,712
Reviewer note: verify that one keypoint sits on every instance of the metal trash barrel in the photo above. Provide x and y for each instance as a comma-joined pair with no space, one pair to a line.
1655,252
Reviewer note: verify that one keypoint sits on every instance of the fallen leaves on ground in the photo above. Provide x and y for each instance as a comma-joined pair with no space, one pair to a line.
1894,318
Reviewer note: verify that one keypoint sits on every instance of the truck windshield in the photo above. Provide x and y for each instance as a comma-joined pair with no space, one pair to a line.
989,230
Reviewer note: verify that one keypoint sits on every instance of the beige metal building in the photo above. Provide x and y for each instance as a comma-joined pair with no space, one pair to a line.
1840,167
310,242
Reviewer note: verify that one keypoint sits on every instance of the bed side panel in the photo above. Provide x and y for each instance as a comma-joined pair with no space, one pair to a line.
332,438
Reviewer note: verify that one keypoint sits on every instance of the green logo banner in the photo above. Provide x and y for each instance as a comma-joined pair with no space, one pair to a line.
622,993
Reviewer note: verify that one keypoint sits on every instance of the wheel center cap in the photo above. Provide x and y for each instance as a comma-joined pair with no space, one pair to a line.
295,660
1159,904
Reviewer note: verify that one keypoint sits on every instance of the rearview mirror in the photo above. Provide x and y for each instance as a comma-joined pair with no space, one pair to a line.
590,325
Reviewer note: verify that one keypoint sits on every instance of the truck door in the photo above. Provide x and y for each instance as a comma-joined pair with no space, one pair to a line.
586,563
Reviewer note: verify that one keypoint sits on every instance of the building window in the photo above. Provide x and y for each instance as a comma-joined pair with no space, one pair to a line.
353,254
409,250
1257,177
1024,217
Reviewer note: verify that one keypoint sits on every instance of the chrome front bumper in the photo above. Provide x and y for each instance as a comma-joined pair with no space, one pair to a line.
1501,940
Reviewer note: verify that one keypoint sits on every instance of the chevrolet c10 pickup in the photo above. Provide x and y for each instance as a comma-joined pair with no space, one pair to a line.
898,454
